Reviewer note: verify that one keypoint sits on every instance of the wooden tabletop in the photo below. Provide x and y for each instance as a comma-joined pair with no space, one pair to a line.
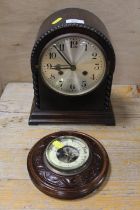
120,191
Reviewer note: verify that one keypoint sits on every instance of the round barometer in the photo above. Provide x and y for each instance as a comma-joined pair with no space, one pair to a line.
67,164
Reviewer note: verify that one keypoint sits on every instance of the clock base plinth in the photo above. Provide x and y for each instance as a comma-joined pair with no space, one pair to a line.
104,117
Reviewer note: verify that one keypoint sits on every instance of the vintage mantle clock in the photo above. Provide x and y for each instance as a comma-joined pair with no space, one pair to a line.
72,65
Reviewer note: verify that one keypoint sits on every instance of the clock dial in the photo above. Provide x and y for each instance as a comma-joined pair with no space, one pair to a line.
67,153
73,64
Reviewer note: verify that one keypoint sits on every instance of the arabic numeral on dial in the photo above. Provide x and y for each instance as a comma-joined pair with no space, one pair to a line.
86,47
94,55
61,47
60,83
52,77
72,87
49,65
84,84
74,44
52,55
96,67
93,77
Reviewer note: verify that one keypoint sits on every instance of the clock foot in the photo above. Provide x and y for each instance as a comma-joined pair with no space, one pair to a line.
103,117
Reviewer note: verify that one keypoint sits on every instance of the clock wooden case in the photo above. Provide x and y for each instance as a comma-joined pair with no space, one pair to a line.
90,101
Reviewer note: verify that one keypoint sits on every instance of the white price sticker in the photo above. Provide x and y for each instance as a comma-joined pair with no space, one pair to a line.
75,21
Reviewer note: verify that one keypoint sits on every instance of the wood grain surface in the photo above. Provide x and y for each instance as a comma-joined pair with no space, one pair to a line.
121,190
20,21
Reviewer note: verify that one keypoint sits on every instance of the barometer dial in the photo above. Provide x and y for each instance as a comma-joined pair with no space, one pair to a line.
67,153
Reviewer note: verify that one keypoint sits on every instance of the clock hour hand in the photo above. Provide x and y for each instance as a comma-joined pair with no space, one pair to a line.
59,67
64,57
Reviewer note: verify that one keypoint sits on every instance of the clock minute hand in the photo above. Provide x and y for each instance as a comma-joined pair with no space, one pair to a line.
63,56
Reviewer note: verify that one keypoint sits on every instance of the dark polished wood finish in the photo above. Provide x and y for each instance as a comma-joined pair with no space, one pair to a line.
68,186
51,107
57,115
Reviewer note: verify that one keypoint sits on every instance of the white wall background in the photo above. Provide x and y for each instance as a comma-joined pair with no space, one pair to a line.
20,20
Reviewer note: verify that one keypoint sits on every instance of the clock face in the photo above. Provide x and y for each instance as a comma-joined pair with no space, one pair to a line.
67,153
73,64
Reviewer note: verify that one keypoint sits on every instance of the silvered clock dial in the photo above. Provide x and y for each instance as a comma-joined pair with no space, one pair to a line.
72,64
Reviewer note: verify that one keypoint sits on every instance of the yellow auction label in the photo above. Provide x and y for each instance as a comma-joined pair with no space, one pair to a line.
57,20
58,144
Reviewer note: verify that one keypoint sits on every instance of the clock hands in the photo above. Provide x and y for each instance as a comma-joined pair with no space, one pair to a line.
72,67
62,55
59,67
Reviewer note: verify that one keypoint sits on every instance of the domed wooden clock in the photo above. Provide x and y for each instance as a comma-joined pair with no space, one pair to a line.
72,65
